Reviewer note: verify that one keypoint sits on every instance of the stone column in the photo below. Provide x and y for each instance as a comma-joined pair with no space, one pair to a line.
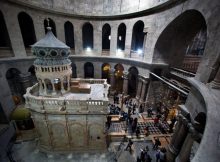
62,87
178,138
60,30
68,83
112,79
125,83
45,87
143,91
97,39
40,87
98,70
145,38
113,41
53,86
128,40
184,155
216,82
39,27
17,44
78,39
138,94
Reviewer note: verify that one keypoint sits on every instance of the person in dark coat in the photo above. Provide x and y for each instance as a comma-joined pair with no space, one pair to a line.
130,143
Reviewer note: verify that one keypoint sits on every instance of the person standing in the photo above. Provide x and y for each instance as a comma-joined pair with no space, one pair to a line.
138,132
109,118
158,155
130,143
134,125
156,143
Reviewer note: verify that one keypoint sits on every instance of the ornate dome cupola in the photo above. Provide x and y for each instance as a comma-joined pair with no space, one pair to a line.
52,66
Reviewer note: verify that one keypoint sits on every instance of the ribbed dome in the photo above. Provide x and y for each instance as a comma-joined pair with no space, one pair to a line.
50,51
50,41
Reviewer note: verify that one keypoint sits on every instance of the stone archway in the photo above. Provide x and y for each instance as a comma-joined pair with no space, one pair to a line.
118,73
12,76
182,41
106,71
88,70
132,81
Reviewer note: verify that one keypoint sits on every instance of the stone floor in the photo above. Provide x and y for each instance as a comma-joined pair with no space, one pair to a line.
28,152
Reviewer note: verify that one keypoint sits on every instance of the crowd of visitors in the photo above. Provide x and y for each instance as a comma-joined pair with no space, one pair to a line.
159,114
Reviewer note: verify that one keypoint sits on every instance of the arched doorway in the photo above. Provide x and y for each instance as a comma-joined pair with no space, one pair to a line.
137,39
106,71
88,70
27,30
12,76
200,122
51,23
69,34
106,37
121,37
87,35
119,78
183,47
132,81
31,70
74,70
4,38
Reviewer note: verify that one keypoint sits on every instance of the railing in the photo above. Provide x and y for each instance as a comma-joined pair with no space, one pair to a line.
6,52
191,63
136,54
28,51
181,73
90,81
105,52
40,103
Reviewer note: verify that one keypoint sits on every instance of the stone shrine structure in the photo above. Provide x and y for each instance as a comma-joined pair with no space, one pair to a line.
65,121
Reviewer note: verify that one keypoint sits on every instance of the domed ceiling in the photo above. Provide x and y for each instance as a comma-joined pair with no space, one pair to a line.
96,7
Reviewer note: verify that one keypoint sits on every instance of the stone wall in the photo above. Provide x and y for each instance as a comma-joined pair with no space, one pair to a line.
63,133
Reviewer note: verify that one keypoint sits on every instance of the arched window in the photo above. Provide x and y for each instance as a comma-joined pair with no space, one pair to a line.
106,37
137,37
51,24
88,70
27,29
121,37
4,37
87,35
69,34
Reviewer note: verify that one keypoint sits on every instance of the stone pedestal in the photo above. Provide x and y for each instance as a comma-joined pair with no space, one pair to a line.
216,82
177,138
184,155
138,94
112,79
143,91
125,83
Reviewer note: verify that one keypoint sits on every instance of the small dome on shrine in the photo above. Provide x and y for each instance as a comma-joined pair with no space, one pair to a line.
50,51
50,41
